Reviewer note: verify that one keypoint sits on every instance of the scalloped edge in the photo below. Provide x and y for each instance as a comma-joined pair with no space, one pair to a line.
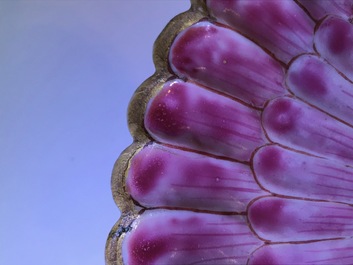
137,106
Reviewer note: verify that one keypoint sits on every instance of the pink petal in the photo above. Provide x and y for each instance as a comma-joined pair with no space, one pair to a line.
315,81
288,220
282,27
333,40
190,116
184,237
166,177
321,8
323,253
223,60
290,173
296,125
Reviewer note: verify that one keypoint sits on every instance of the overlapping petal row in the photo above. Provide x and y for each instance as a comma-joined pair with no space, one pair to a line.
251,160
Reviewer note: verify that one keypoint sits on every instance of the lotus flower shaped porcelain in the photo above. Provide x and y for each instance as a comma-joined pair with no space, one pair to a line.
243,139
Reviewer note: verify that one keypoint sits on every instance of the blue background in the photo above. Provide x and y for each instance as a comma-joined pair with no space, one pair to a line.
68,69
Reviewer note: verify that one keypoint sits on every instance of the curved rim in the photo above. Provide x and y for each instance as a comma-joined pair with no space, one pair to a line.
137,106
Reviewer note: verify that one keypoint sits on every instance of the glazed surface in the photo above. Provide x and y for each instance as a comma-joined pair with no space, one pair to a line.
246,155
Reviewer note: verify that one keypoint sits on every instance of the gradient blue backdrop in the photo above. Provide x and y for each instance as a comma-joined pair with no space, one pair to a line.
68,69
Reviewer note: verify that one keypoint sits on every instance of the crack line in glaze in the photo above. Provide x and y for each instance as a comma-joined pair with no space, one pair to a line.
243,139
